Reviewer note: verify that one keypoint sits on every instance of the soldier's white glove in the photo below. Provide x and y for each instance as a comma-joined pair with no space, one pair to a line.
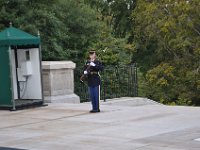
85,72
92,64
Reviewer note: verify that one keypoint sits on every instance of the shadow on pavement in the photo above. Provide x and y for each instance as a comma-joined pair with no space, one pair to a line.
8,148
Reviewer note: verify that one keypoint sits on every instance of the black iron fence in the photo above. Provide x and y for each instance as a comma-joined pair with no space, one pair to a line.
117,81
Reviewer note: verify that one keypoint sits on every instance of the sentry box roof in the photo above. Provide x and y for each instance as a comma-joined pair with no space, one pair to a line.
14,37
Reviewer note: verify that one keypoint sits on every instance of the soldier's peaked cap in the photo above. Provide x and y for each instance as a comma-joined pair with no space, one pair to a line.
92,52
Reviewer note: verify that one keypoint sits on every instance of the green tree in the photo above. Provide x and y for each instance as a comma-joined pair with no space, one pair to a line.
67,27
116,14
167,35
112,50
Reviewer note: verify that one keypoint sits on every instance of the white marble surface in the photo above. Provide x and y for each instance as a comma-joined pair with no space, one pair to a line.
58,82
58,65
117,127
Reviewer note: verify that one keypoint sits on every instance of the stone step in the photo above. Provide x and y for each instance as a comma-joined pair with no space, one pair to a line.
130,101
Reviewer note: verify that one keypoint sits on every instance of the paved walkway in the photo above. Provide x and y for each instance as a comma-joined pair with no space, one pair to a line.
123,124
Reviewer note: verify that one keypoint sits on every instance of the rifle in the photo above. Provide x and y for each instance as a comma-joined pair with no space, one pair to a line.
84,76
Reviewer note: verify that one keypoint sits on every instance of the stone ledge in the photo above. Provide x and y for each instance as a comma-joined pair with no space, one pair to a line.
131,101
72,98
49,65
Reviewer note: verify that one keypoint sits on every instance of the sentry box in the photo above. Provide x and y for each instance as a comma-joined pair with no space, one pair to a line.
20,69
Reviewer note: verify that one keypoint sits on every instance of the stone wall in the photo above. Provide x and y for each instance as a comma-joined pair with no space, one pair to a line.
58,82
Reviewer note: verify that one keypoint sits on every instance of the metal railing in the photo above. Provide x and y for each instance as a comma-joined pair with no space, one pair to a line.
117,81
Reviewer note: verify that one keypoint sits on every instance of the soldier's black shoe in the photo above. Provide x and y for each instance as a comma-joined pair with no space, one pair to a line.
94,111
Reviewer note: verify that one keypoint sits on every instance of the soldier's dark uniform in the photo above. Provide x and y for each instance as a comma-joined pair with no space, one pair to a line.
94,81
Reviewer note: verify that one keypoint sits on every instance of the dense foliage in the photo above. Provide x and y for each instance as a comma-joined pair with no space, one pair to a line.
116,14
167,36
67,27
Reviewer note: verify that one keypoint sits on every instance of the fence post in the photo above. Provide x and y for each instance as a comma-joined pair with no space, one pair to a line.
103,87
135,81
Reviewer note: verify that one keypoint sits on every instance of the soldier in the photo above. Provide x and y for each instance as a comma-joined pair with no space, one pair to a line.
91,70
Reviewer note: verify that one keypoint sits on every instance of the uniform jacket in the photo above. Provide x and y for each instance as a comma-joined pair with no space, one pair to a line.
93,77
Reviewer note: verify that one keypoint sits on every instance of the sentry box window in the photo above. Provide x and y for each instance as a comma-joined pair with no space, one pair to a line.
27,55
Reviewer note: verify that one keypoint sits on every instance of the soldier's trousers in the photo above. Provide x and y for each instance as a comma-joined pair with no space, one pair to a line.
94,96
